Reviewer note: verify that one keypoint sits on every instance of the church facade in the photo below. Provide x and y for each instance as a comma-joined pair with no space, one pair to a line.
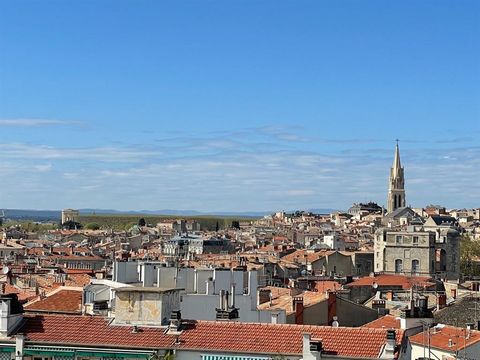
411,245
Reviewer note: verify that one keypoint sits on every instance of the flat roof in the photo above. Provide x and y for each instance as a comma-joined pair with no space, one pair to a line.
146,289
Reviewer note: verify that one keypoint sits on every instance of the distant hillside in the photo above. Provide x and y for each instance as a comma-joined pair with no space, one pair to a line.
33,215
55,215
126,221
174,212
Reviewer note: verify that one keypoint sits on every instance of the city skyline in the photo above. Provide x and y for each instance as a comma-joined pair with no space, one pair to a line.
251,107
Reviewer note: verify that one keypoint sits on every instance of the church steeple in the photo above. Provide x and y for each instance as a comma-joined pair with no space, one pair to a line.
396,188
396,161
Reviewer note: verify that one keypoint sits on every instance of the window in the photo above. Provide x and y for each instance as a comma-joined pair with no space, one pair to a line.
399,239
398,266
415,266
415,240
359,269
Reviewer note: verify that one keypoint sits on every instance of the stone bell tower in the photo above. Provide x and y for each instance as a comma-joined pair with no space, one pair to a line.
396,186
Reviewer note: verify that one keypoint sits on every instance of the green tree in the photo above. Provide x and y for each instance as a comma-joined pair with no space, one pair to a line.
129,225
469,256
92,226
71,225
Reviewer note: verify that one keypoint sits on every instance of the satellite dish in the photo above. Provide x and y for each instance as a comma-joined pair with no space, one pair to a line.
375,285
6,270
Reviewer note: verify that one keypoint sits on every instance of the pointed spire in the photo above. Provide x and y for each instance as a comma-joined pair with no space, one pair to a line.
396,162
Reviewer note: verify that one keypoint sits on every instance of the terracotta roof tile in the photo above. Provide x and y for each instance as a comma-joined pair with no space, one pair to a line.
384,322
441,334
205,335
405,282
283,300
22,295
299,256
60,301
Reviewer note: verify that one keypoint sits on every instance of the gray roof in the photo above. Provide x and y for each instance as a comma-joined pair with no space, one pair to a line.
403,212
444,220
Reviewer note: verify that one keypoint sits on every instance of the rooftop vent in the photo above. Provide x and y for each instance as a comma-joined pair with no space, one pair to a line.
391,334
316,345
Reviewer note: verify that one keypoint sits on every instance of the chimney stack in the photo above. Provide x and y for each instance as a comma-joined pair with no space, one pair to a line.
263,296
298,309
232,299
225,300
312,348
220,297
332,306
390,343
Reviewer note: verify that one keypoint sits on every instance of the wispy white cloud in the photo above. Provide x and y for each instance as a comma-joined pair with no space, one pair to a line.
104,154
248,172
43,167
38,122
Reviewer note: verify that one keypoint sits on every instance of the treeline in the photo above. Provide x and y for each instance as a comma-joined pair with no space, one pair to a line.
125,222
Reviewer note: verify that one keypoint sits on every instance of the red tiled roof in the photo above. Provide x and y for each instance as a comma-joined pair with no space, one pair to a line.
327,285
384,322
406,282
79,271
283,300
205,335
440,336
60,301
310,256
22,295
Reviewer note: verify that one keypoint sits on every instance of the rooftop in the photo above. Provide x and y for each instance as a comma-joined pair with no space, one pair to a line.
447,338
145,289
251,338
406,282
62,300
385,322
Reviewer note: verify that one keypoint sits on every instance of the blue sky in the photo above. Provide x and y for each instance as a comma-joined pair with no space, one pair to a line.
237,105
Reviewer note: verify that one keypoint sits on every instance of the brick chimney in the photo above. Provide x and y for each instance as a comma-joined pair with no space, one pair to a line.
298,309
332,306
263,296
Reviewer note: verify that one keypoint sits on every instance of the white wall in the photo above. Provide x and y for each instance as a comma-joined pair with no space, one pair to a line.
472,352
202,306
125,271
